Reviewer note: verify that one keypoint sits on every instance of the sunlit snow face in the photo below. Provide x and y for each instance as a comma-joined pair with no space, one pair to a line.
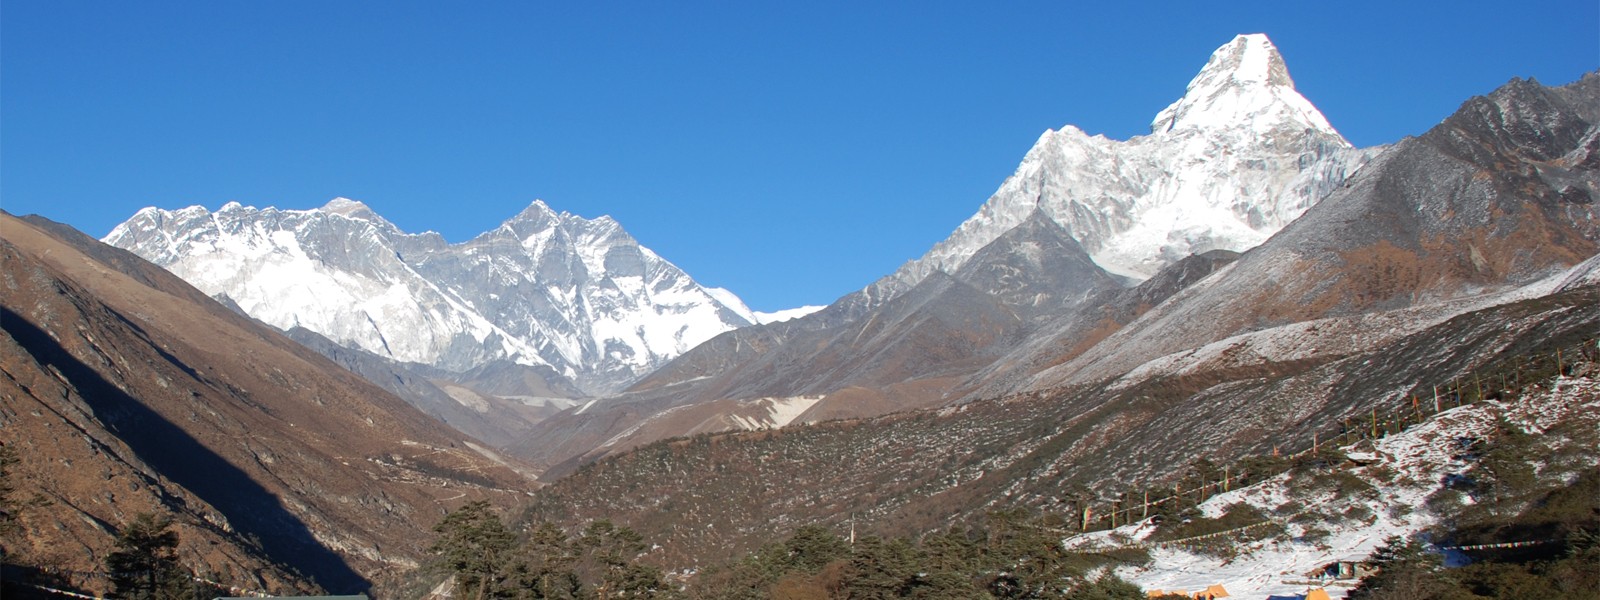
543,289
1239,156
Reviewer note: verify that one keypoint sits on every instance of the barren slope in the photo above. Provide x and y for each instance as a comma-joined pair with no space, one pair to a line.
125,390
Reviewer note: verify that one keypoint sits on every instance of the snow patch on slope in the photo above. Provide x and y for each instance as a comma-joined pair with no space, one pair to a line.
780,412
1422,457
786,315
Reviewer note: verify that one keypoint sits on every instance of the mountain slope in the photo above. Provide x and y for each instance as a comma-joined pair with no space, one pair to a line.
712,497
580,298
125,390
1439,269
1240,155
470,407
1497,196
906,354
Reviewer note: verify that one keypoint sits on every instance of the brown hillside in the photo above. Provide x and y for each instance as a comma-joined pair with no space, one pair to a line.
124,390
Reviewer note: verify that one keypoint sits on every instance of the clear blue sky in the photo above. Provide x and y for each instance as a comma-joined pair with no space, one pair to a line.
789,151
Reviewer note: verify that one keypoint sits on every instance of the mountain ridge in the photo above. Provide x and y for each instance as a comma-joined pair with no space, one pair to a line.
543,288
1112,212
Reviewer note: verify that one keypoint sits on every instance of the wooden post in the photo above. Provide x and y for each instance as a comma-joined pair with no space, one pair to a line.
1559,369
1225,486
1374,422
1146,512
1436,399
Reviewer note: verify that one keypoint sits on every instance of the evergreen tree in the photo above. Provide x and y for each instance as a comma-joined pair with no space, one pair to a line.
1025,560
813,547
948,563
609,558
1107,587
546,570
475,546
8,505
881,570
1405,571
145,563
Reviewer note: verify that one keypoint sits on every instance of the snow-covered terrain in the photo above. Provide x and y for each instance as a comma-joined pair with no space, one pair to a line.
1340,336
552,289
1239,156
727,298
1412,465
786,315
779,412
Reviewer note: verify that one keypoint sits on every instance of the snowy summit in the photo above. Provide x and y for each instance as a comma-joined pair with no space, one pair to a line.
1237,157
544,289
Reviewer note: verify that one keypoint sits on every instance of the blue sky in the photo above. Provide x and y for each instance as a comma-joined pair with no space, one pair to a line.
789,151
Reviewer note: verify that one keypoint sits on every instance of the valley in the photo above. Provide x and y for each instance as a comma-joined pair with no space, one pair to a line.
1232,351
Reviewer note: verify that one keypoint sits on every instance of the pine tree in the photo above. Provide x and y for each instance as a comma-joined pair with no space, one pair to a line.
1107,587
8,505
881,570
145,563
1405,571
475,546
813,547
546,569
610,554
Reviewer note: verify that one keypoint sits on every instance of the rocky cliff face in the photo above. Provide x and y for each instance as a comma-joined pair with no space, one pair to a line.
579,297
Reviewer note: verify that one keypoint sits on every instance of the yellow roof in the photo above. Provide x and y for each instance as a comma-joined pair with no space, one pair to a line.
1317,594
1216,591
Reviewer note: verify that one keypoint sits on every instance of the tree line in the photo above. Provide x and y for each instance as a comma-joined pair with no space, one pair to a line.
1010,555
489,561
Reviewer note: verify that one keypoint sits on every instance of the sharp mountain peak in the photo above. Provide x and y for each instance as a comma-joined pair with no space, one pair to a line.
1245,83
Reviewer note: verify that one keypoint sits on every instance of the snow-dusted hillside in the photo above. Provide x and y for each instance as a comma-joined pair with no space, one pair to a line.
552,289
1323,525
1239,156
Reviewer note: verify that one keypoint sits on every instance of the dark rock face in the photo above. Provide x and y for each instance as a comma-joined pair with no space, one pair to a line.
1036,269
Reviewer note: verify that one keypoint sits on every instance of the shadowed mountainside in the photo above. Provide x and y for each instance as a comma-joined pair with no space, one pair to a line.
124,390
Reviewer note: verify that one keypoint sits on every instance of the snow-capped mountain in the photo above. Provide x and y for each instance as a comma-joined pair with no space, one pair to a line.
545,289
1052,252
1239,156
